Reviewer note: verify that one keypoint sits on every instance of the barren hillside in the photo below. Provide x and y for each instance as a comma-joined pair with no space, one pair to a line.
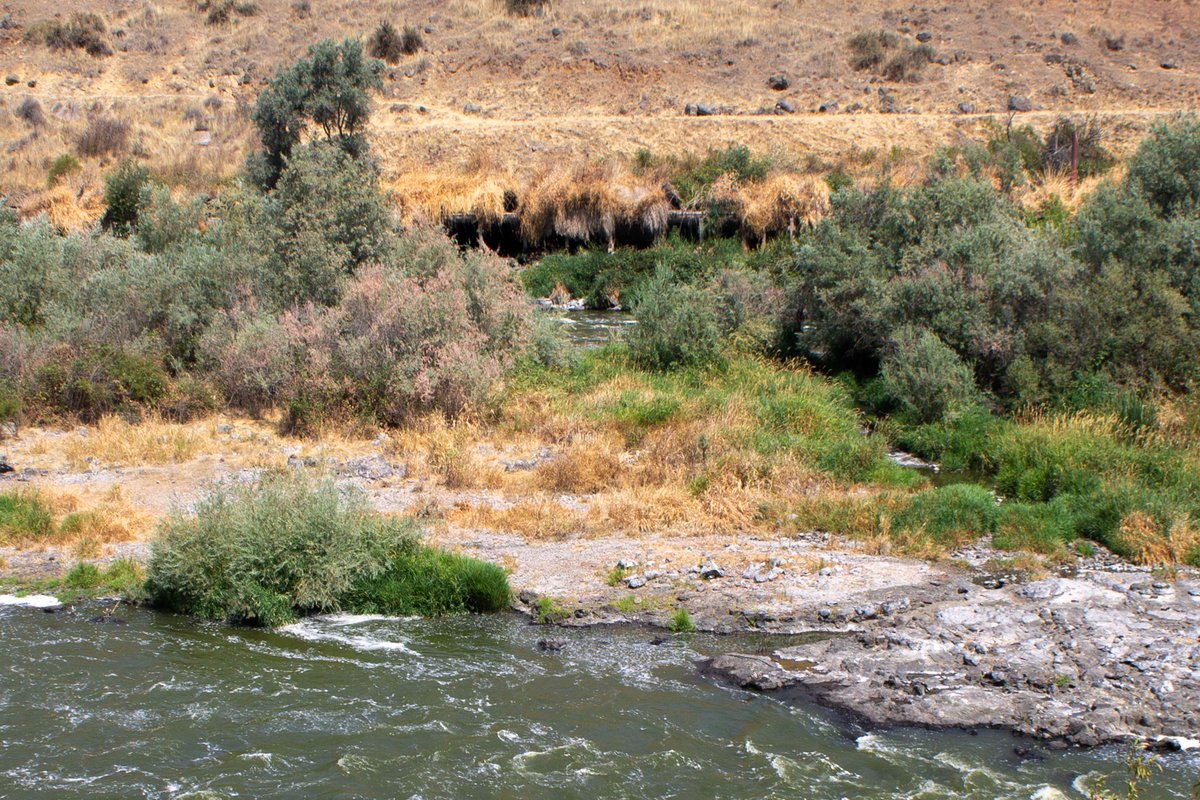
579,80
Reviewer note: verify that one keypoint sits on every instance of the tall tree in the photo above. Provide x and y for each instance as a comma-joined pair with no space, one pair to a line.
327,90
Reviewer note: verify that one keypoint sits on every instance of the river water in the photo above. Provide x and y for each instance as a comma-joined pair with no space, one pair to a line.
159,706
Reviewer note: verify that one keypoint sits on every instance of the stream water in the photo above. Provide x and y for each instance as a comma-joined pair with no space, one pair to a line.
159,706
588,328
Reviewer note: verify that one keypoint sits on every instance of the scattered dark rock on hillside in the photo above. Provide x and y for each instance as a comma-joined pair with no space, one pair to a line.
785,107
1068,38
778,82
1169,65
828,107
699,110
924,36
966,108
5,467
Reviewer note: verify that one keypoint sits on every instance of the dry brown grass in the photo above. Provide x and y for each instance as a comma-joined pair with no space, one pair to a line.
531,518
1142,536
114,442
784,202
588,201
584,467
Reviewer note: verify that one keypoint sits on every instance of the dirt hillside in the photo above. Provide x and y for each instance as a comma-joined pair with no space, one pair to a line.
580,80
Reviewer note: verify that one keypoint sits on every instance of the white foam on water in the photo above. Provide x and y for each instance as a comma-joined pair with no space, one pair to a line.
1048,793
30,600
1181,742
314,631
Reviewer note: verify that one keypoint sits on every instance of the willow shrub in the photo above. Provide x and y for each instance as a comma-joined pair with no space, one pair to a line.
267,552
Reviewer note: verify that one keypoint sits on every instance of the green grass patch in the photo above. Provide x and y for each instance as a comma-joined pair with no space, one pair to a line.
682,621
24,517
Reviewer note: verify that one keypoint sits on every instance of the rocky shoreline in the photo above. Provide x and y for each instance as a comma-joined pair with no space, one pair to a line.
1086,660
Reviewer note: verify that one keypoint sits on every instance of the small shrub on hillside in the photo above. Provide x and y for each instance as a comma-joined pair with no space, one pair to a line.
123,196
221,12
1063,138
30,111
525,8
391,45
677,325
869,48
908,63
79,31
61,167
103,136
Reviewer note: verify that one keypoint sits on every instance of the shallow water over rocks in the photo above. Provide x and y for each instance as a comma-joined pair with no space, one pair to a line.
469,707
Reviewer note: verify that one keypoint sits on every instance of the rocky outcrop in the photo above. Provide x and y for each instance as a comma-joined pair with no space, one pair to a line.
1083,660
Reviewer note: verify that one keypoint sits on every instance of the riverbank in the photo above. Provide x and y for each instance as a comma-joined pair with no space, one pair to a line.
1088,651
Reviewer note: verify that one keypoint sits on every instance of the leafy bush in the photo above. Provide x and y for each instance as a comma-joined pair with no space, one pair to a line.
30,111
927,376
266,552
1093,158
892,56
221,12
61,167
328,90
103,136
123,196
1166,168
391,45
677,325
79,31
101,381
331,218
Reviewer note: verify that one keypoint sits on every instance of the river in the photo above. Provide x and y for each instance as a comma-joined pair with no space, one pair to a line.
158,706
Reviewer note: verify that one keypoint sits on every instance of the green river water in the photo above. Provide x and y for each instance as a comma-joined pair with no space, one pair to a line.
159,706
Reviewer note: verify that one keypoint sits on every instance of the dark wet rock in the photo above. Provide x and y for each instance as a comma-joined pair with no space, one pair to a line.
711,571
778,83
107,619
658,641
747,671
1018,102
551,645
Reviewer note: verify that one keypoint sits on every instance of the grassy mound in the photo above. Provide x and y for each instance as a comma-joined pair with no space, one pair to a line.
267,552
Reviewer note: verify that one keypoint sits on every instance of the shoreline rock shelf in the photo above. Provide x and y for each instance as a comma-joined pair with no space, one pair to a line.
1087,660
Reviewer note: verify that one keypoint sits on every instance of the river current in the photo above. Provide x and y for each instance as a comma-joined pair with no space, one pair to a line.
141,704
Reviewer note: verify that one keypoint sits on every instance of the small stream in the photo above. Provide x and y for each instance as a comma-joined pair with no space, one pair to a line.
589,328
143,704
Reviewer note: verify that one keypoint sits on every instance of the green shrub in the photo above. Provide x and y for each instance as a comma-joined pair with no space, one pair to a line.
79,31
1166,168
1039,528
926,376
24,517
124,194
83,577
549,611
677,325
391,45
61,167
221,12
266,552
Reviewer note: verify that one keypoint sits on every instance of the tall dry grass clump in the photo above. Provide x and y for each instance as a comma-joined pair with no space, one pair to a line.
481,188
588,202
784,201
